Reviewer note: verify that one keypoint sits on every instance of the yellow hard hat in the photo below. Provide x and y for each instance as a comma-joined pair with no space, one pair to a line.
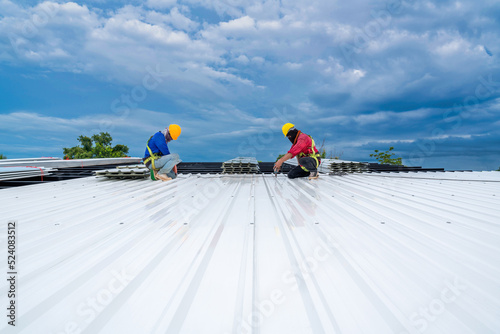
174,131
286,128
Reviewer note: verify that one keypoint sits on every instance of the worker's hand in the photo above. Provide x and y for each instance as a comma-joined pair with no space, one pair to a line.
277,165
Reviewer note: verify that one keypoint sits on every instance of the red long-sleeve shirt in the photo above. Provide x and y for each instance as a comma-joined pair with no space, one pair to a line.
302,145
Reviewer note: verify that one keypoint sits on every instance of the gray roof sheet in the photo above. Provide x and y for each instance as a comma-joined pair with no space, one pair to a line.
259,254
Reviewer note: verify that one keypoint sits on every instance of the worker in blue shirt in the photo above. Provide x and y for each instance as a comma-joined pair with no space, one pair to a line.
161,163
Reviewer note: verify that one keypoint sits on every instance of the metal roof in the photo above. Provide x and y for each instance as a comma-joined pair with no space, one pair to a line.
362,253
58,163
329,165
26,160
14,173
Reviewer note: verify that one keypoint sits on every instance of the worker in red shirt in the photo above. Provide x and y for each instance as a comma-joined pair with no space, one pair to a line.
304,149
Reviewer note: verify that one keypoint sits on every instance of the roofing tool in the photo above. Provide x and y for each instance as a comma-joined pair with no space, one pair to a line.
275,172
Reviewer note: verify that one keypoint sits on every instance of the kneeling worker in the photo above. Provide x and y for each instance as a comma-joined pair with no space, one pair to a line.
304,148
161,163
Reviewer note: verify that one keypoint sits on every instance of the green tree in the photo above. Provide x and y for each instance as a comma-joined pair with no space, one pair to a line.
103,138
97,146
2,156
386,157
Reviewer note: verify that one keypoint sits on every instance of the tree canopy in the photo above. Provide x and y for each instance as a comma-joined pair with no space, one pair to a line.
386,157
97,146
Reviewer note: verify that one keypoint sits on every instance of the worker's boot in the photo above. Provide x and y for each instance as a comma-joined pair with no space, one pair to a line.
313,175
162,177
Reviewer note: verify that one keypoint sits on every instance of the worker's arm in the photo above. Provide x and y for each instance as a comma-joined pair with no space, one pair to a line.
277,165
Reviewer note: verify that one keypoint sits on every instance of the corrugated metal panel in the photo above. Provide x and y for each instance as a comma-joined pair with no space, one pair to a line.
125,172
241,165
335,165
15,173
55,163
25,160
258,254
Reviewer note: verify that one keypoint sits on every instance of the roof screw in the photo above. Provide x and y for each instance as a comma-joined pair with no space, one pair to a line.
185,223
448,222
121,223
382,222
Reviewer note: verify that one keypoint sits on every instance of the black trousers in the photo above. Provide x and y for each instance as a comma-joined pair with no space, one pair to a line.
308,162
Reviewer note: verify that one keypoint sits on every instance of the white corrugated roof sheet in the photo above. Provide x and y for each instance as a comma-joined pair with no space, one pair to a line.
363,253
59,163
14,173
326,165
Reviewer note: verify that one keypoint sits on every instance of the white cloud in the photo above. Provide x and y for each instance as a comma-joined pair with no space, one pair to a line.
269,25
293,66
241,24
450,45
8,8
121,45
137,121
29,121
425,55
242,59
174,18
258,60
179,21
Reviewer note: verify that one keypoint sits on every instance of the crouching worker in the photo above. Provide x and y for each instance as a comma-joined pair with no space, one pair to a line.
161,163
304,149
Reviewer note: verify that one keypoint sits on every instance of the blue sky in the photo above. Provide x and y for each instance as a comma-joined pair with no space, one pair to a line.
422,76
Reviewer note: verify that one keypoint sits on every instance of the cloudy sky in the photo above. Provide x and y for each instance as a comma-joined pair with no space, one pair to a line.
422,76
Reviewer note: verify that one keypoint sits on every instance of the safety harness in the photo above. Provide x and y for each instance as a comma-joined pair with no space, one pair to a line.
313,155
152,156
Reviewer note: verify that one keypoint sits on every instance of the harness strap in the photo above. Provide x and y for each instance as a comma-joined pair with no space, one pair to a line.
152,156
313,155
